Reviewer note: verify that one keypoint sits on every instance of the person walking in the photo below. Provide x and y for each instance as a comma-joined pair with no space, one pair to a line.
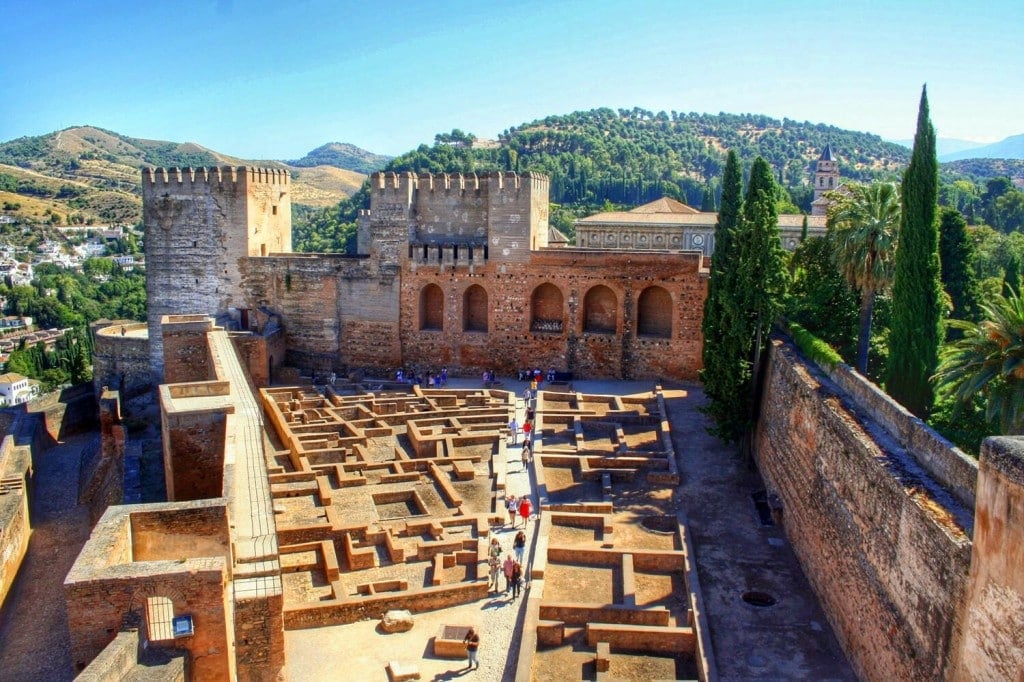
519,545
527,430
508,566
525,454
513,427
512,504
524,509
494,563
517,579
472,642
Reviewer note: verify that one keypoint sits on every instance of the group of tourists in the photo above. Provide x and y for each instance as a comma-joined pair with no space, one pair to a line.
518,506
412,377
511,568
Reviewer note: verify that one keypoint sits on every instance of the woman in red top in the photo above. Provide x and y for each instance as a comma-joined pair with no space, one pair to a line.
524,509
527,430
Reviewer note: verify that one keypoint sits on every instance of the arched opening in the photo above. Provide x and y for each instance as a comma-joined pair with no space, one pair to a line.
431,308
600,311
654,313
546,309
474,309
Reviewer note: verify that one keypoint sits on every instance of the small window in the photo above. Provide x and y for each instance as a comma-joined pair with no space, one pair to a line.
273,210
159,619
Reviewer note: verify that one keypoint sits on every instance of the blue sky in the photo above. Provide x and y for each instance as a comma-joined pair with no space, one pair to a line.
276,79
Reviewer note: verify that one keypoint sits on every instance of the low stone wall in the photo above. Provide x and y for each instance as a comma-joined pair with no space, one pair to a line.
884,546
581,614
950,466
344,611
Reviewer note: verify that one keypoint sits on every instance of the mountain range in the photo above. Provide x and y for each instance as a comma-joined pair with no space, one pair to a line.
90,175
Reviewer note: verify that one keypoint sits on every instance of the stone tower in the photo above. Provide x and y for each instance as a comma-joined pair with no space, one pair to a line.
200,225
826,179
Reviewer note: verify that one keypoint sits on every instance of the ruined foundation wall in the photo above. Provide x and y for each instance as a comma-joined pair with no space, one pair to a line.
882,546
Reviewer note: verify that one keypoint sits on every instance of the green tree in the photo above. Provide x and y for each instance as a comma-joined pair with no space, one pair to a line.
726,371
917,291
1011,276
821,300
956,257
863,223
707,202
988,361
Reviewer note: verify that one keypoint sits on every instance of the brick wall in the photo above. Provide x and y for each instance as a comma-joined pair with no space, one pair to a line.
883,545
121,362
510,344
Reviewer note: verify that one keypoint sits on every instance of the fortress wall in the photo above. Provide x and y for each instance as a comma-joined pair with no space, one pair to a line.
884,547
509,343
518,216
992,643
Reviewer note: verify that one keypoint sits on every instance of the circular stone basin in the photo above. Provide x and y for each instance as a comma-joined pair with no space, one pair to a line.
759,599
660,524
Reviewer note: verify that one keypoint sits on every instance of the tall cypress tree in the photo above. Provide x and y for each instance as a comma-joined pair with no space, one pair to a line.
915,331
956,257
725,369
763,276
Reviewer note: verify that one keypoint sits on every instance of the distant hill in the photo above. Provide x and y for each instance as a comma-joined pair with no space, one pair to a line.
945,145
1010,148
988,168
343,155
87,174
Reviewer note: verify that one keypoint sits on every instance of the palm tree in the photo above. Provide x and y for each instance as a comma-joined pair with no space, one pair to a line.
988,361
864,223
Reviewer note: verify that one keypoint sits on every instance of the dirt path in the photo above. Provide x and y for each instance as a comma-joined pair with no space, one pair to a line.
34,642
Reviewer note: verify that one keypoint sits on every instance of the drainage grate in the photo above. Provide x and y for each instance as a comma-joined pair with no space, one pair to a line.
759,599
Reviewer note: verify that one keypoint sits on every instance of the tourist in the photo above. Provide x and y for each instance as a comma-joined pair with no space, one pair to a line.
508,566
472,642
513,427
519,545
512,504
444,376
527,430
526,454
517,579
524,509
527,395
334,377
551,374
494,563
399,375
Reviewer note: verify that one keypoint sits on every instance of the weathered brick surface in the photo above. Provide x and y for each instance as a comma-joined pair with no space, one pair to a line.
991,646
866,521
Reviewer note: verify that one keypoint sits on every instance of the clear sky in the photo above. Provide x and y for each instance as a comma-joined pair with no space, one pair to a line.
273,80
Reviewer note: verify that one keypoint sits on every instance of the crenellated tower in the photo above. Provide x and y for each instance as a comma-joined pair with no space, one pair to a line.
200,224
452,217
826,179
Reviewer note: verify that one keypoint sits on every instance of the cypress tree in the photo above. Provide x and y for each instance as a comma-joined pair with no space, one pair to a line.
803,230
707,203
956,257
917,291
725,369
763,277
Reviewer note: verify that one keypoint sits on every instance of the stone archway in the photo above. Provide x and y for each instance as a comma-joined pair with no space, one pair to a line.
600,311
547,310
431,308
654,313
474,309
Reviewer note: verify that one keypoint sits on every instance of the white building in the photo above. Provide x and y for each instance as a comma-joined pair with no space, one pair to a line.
15,389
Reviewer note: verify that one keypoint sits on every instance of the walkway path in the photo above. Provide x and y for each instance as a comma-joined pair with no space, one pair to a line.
34,642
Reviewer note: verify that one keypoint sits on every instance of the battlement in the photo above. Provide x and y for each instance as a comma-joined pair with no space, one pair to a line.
245,175
457,182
